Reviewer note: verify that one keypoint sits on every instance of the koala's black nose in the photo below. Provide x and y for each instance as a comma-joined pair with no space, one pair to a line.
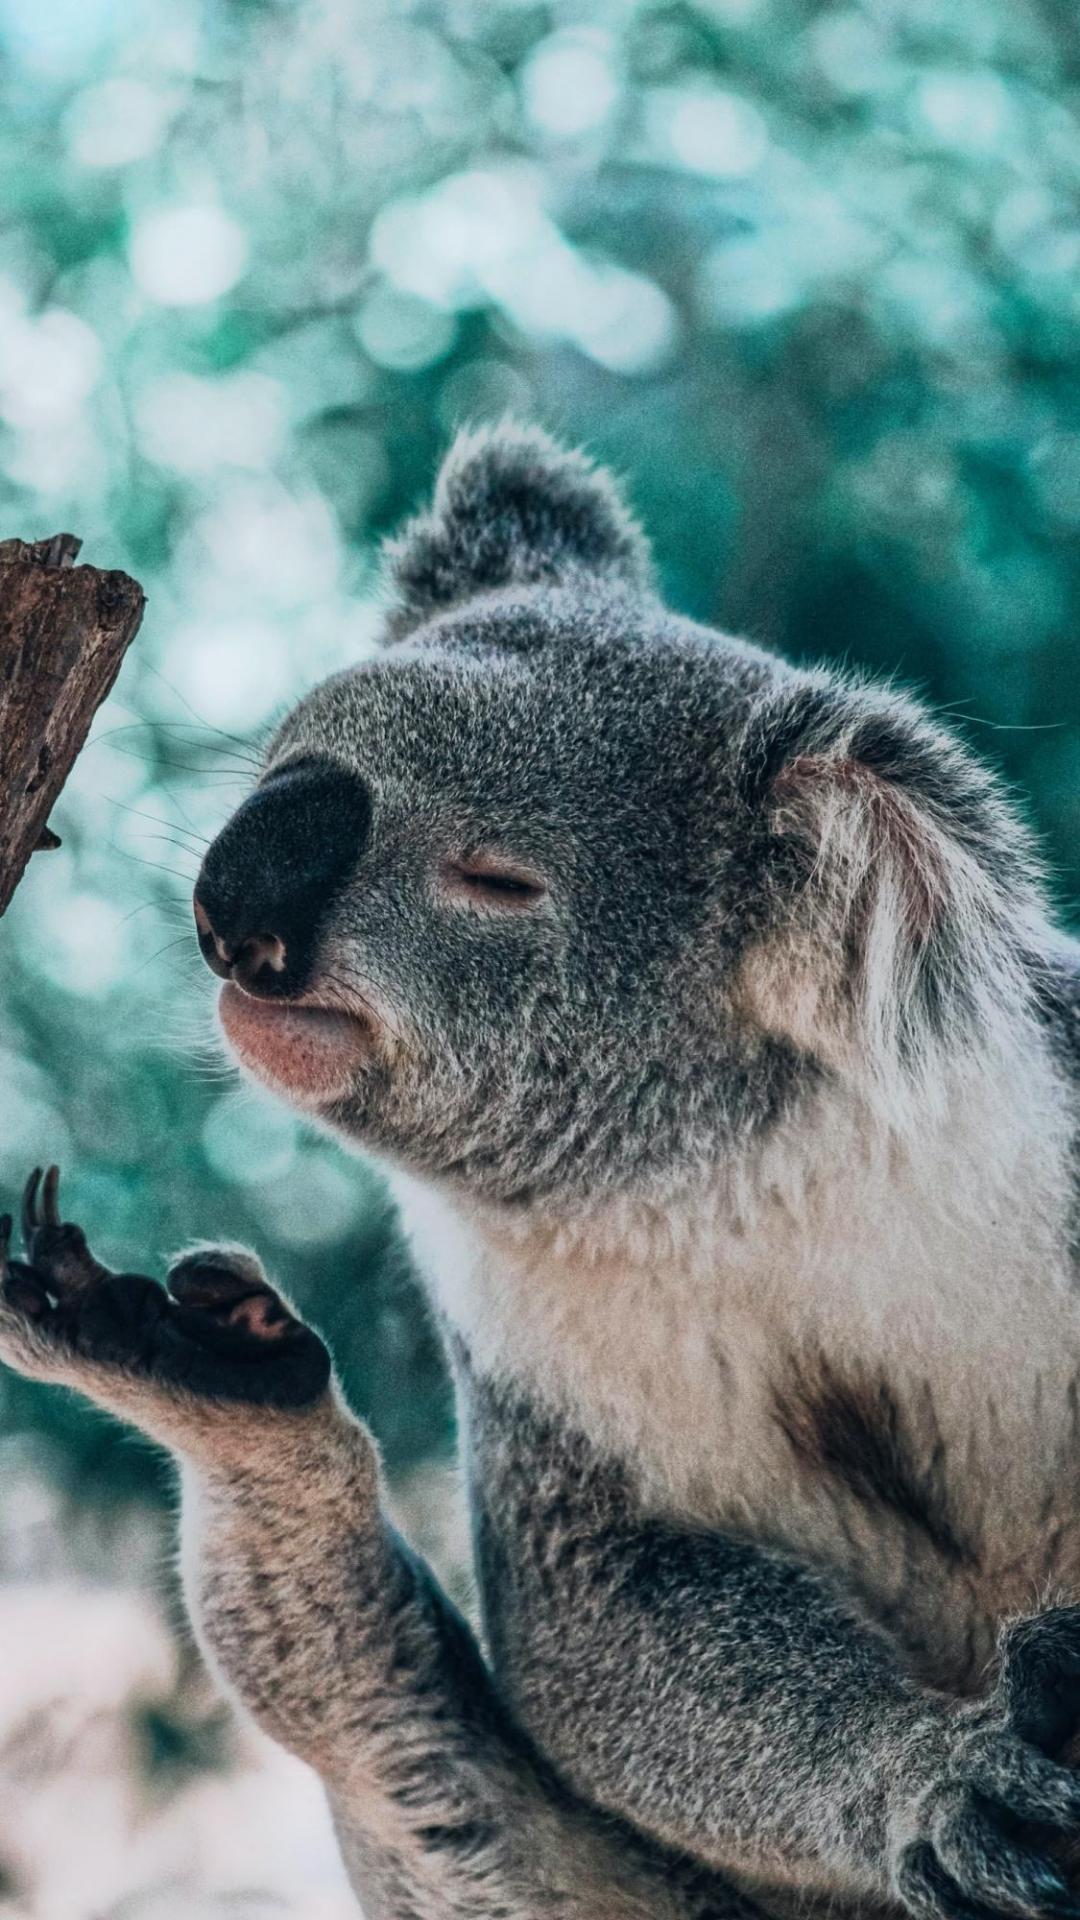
270,877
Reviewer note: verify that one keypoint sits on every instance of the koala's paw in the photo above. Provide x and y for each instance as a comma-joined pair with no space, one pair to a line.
1040,1677
217,1330
987,1831
248,1345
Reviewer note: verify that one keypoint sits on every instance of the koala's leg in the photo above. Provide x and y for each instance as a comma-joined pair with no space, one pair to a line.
316,1615
720,1697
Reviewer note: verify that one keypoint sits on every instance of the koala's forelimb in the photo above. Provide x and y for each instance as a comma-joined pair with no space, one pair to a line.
337,1640
728,1701
316,1615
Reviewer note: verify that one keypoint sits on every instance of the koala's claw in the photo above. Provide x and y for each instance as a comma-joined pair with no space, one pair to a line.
1040,1677
21,1288
928,1890
56,1250
218,1330
978,1849
48,1215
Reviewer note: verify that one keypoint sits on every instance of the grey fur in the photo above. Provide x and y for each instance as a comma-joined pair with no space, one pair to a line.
505,513
735,1123
318,1618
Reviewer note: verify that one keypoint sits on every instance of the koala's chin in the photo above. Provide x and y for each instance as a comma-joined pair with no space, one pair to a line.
308,1054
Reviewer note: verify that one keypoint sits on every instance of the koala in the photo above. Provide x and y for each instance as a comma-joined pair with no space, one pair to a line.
707,1016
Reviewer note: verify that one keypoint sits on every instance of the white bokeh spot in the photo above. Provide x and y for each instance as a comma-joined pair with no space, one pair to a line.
232,673
83,946
49,365
260,546
185,256
570,85
117,122
195,425
716,133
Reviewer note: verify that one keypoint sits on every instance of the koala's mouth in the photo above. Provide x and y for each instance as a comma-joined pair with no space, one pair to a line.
309,1053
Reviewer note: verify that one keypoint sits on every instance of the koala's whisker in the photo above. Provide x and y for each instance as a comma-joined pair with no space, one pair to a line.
139,813
211,1056
158,866
178,909
208,725
177,975
1015,726
185,1034
209,1075
214,1064
177,940
135,911
195,713
182,810
187,1023
188,736
156,729
169,841
248,761
220,776
125,726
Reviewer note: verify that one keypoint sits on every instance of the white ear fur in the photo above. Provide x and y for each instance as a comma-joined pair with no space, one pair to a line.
906,939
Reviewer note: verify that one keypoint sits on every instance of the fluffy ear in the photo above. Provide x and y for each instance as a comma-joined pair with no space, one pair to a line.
906,895
510,507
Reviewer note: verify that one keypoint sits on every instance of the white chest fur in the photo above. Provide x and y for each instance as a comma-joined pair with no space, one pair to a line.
936,1270
668,1332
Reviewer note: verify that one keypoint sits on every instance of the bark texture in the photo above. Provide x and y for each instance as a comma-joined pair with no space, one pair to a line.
64,631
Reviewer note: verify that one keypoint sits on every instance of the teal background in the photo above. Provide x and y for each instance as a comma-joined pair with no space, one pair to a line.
807,274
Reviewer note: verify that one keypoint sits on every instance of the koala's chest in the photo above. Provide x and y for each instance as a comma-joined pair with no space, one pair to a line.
920,1440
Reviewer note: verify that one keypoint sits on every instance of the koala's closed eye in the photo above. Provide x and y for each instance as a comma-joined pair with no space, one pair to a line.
493,883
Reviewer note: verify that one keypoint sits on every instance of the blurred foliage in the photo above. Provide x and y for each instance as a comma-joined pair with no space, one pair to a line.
808,274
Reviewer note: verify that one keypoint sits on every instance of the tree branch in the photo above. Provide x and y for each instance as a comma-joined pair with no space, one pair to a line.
64,631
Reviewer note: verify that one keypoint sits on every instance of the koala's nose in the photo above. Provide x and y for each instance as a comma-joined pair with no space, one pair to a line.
244,960
269,879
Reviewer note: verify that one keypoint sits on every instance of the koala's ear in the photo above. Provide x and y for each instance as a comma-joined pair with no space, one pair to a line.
510,507
906,893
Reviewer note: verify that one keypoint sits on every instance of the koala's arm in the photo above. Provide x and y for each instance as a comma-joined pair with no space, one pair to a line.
725,1700
319,1619
335,1636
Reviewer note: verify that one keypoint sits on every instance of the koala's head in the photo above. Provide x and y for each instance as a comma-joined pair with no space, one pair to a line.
561,891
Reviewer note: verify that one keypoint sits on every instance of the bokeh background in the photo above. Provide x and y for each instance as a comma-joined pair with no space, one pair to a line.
808,274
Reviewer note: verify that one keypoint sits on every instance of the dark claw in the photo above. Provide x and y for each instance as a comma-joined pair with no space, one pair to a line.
50,1197
926,1888
220,1330
1042,1880
25,1292
29,1208
1040,1679
20,1285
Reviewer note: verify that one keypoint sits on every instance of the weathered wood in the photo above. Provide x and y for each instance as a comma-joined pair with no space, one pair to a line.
64,631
